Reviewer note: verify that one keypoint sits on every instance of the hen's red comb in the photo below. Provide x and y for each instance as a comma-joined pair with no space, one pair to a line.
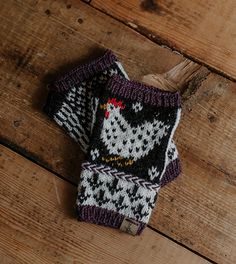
116,103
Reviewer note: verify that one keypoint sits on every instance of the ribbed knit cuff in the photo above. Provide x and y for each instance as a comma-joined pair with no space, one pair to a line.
172,171
84,72
104,217
140,92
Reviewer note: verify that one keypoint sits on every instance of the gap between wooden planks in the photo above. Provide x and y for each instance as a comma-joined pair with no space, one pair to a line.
41,38
204,30
37,224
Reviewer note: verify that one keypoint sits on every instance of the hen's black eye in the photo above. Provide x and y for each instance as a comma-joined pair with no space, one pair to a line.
111,106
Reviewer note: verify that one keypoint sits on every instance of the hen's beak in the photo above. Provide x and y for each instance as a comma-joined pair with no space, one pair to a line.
103,106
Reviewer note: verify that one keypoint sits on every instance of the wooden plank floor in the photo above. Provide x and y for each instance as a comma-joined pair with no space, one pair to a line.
37,224
204,30
39,39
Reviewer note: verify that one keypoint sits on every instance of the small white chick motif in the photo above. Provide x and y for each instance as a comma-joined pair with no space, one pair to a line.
137,107
153,173
94,153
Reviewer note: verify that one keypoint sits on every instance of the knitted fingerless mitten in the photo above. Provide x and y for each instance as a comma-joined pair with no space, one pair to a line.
127,155
73,100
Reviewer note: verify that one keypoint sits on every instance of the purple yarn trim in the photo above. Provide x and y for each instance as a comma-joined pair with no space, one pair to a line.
140,92
83,72
101,216
173,170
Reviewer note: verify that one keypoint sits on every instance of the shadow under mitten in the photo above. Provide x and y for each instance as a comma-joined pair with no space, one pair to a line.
73,99
128,153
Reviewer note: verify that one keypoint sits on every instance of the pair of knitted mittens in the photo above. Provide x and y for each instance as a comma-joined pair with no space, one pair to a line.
126,129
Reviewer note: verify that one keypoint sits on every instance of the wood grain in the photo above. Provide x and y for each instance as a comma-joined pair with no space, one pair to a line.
207,128
42,38
176,78
37,224
199,210
204,30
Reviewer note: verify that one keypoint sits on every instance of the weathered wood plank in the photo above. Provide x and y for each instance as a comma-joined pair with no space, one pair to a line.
207,129
204,30
39,38
37,224
199,210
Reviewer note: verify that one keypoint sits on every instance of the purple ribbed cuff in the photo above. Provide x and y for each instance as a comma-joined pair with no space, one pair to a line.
143,93
101,216
83,72
173,170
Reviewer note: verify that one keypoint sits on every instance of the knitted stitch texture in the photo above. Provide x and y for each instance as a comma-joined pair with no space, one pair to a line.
73,99
128,153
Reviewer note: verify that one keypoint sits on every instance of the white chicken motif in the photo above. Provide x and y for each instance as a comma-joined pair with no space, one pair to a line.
131,142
